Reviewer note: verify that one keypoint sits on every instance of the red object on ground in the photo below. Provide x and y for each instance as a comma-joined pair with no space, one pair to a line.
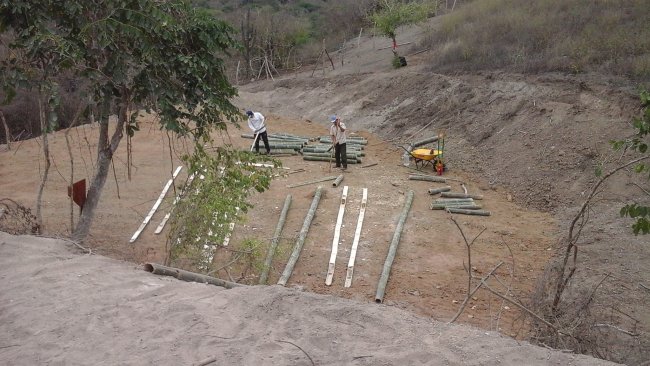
78,192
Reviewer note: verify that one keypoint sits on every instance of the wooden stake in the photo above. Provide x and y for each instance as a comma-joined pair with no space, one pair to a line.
357,235
155,206
392,250
297,248
274,241
337,235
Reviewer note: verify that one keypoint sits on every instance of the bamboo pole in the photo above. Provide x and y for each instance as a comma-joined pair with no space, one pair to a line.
337,181
311,182
159,269
392,250
456,206
425,141
297,248
326,158
274,241
439,190
155,206
427,178
461,195
337,236
163,222
468,212
355,242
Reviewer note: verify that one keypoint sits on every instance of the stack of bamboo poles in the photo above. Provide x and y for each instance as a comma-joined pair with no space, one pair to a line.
350,141
283,142
466,206
324,152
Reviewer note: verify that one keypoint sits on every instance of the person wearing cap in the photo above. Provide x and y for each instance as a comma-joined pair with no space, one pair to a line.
256,123
339,140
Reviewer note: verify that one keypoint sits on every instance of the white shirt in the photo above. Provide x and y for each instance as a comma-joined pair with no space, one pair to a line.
256,123
338,133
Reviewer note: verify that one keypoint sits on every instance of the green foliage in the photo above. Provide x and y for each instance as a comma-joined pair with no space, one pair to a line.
217,197
395,13
639,144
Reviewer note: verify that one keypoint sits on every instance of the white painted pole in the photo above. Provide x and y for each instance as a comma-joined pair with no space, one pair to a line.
155,206
337,235
357,235
162,224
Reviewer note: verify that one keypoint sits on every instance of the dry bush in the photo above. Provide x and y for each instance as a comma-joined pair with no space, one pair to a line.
545,35
16,219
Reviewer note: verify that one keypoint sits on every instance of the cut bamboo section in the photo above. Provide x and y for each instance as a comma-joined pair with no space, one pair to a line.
457,206
392,250
297,248
433,191
163,222
461,195
357,235
427,178
274,241
183,275
468,212
155,205
337,181
337,236
311,182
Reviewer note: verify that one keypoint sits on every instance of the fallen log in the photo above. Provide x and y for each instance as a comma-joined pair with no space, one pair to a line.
427,178
468,212
297,248
337,181
461,195
274,241
392,250
439,190
183,275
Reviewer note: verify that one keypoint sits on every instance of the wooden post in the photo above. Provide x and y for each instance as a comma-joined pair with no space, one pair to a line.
297,248
274,241
159,269
355,242
392,250
337,236
155,206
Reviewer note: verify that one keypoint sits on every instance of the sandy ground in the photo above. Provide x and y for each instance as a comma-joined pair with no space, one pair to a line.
61,308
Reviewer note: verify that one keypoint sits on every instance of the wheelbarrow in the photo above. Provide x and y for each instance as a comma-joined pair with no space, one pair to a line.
426,157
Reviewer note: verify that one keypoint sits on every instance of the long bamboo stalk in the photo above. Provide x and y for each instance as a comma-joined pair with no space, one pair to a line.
337,236
357,236
462,206
312,182
427,178
297,248
461,195
274,241
468,212
183,275
392,250
163,222
326,158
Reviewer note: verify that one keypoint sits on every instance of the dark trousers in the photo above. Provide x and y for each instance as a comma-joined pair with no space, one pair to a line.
340,152
265,138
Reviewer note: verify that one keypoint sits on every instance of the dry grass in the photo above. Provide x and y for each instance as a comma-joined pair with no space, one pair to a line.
545,35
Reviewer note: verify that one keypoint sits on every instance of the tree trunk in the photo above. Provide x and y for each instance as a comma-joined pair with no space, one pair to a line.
105,151
44,110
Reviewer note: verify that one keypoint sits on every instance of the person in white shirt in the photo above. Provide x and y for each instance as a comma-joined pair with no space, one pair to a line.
339,140
256,123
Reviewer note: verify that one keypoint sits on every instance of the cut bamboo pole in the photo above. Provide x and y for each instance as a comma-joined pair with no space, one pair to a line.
297,248
274,241
461,195
325,158
163,222
468,212
311,182
425,141
337,236
392,250
427,178
337,181
443,200
369,165
159,269
155,205
439,190
355,242
456,206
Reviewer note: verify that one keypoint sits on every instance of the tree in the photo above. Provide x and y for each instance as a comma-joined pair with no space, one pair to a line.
395,13
639,144
165,56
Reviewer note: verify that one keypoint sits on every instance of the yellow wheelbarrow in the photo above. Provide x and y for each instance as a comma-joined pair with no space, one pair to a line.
425,157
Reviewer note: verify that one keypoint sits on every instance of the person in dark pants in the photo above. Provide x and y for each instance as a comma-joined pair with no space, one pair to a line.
339,140
256,123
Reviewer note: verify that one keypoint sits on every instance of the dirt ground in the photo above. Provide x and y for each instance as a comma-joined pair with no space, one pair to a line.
528,143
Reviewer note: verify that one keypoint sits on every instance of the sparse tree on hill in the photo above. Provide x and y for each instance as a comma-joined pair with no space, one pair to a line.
393,14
